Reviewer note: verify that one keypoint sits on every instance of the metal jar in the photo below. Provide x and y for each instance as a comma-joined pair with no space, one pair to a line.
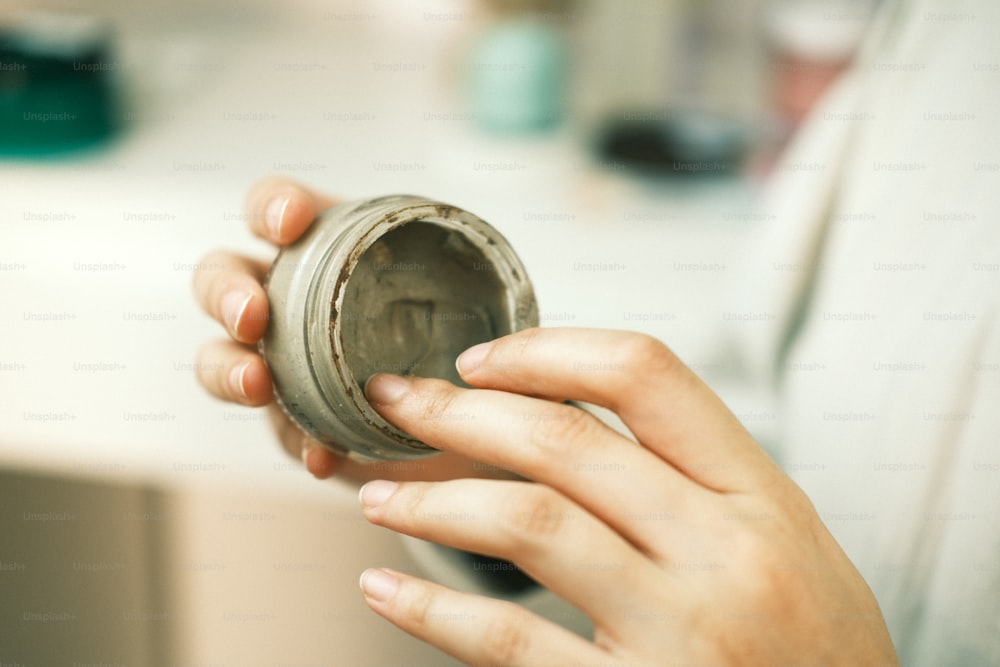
397,284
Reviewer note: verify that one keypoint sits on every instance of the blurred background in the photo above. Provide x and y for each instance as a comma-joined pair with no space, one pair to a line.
619,146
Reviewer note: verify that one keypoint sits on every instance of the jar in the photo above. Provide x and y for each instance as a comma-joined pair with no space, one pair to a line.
396,284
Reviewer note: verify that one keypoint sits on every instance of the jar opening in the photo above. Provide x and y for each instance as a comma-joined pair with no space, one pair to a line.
419,296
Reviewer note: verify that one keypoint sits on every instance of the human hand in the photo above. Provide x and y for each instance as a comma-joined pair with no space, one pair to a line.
229,288
691,548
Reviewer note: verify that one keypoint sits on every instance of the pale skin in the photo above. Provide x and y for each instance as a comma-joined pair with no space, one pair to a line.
689,548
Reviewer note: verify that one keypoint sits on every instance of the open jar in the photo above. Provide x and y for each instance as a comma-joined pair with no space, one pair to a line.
396,284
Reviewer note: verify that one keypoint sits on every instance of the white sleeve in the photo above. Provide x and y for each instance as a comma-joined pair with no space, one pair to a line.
958,621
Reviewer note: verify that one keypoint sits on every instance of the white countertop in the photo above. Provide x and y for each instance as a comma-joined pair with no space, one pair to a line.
98,333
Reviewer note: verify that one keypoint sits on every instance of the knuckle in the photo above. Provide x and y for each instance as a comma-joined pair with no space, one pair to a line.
772,574
211,369
410,502
560,429
207,268
204,363
215,260
534,514
438,401
506,639
418,606
509,350
645,354
525,338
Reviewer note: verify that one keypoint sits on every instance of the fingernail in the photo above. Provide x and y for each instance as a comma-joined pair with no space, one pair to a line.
236,376
274,215
469,360
378,584
385,389
234,306
376,492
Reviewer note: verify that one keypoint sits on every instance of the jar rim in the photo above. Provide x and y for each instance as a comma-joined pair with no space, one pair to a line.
371,221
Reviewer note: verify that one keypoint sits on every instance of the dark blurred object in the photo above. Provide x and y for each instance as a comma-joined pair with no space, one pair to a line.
687,143
499,576
57,84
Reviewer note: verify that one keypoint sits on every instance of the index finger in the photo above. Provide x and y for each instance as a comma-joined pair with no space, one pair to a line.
280,210
669,409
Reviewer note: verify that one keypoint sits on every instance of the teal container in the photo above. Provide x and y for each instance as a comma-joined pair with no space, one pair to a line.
57,85
518,74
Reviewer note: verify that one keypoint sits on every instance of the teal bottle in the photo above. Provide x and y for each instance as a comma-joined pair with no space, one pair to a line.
518,76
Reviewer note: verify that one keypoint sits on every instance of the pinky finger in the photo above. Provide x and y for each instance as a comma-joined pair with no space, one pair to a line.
319,461
472,628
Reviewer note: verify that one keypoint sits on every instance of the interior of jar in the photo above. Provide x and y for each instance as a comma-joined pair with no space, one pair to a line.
418,297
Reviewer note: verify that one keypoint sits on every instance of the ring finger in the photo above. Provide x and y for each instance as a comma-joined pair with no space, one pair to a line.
558,543
228,287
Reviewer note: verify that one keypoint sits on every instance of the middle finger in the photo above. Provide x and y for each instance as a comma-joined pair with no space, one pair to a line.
559,445
228,287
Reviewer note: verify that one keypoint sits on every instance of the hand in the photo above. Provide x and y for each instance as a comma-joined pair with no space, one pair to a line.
693,548
229,288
